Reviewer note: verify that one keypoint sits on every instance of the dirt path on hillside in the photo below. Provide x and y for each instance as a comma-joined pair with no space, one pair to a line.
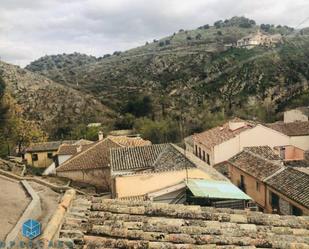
13,202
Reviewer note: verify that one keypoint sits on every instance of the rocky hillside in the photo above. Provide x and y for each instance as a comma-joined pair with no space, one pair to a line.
53,106
195,74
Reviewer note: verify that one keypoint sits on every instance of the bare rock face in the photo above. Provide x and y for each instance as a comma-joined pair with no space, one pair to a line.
50,103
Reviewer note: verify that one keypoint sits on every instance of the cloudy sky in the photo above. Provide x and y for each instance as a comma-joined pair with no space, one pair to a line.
33,28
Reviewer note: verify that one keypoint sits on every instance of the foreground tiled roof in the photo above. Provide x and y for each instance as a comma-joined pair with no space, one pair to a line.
129,141
97,156
48,146
254,164
220,134
158,157
292,183
141,225
291,129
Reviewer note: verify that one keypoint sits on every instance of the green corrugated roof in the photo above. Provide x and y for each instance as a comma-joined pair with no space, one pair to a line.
215,189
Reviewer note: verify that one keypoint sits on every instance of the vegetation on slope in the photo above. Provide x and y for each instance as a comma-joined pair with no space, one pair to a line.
192,80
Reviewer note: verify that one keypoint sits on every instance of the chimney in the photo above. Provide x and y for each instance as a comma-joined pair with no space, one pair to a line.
100,135
79,149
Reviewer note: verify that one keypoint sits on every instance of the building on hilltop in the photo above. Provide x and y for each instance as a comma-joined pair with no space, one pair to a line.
259,39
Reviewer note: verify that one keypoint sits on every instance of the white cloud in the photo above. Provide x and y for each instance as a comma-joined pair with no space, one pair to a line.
32,28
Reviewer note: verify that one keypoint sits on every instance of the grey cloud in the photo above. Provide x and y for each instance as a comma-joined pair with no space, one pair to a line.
33,28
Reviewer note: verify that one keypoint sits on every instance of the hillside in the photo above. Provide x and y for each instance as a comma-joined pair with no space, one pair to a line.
193,76
52,106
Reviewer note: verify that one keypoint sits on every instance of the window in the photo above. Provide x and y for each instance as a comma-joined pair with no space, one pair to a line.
34,157
196,150
242,183
50,155
199,153
274,201
296,211
204,156
257,186
208,159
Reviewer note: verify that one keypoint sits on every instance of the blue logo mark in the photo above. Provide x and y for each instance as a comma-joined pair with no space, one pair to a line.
31,229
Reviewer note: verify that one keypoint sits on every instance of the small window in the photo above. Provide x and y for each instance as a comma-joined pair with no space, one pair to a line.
199,153
196,150
257,186
274,200
208,159
204,156
296,211
34,157
50,155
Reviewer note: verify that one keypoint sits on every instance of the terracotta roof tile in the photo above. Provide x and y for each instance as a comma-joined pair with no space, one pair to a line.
97,156
72,149
140,224
291,129
158,157
48,146
292,183
264,151
129,141
221,134
254,164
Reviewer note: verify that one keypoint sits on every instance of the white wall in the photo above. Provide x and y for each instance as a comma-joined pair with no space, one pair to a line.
63,158
301,142
257,136
294,115
261,135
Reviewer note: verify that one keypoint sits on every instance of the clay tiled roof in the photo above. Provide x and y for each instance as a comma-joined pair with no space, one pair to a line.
48,146
97,156
141,225
263,151
72,149
129,141
254,164
292,183
220,134
158,157
291,129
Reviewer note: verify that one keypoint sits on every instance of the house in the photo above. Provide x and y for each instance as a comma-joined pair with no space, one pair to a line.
41,155
298,114
288,192
298,132
273,183
223,142
259,39
248,170
149,170
90,166
90,163
142,224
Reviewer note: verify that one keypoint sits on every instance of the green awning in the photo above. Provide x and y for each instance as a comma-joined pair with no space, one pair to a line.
215,189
